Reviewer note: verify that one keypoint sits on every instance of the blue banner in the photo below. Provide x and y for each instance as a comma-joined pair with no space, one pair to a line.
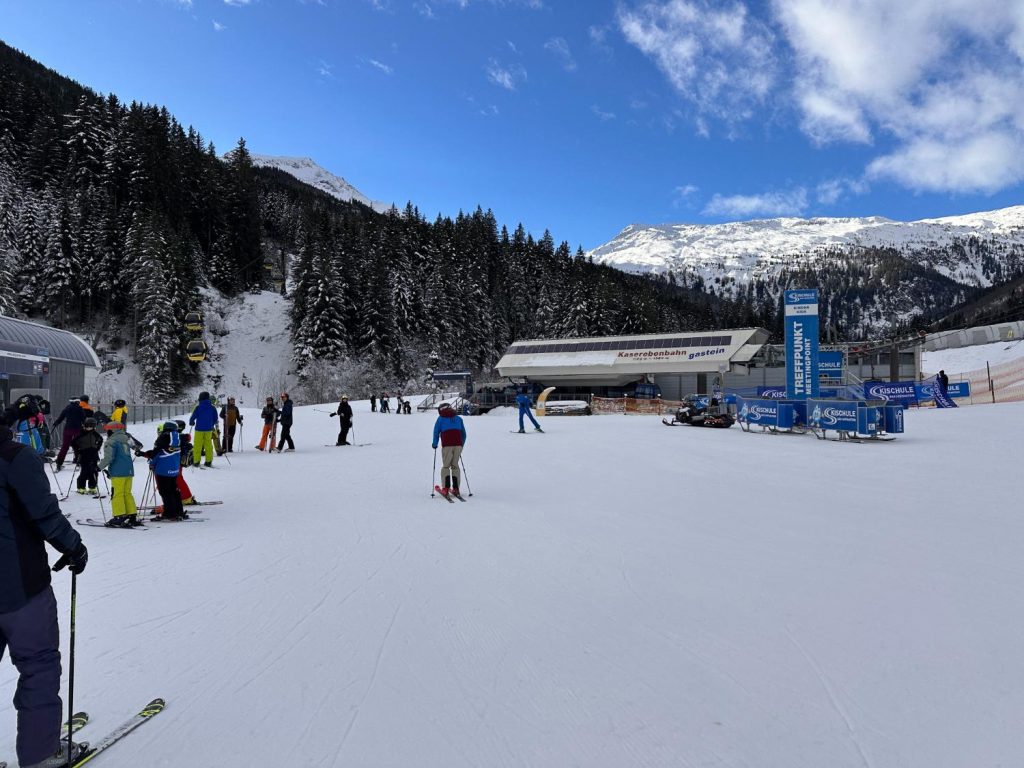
830,365
801,325
926,391
905,391
773,393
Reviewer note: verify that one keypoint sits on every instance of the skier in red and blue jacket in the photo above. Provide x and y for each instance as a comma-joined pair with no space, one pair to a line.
451,432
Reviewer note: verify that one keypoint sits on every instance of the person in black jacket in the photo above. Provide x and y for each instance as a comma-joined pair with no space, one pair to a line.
73,416
87,453
286,424
30,517
344,414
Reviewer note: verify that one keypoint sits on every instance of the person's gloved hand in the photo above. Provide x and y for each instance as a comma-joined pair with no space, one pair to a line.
434,446
331,414
75,560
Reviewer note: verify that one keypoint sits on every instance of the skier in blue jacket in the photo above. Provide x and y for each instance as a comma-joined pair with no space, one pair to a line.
30,518
204,418
523,401
451,432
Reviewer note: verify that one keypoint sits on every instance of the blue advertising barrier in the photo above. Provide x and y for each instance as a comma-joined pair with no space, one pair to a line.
801,327
926,391
767,414
904,391
852,419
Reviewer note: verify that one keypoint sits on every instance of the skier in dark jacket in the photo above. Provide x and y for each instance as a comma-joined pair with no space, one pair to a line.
165,461
232,417
30,517
344,414
943,381
269,415
286,424
73,416
451,432
87,452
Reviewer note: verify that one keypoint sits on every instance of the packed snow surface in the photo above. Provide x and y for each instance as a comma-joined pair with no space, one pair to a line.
615,593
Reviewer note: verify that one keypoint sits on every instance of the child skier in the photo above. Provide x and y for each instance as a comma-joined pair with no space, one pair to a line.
165,461
87,453
117,463
450,430
269,415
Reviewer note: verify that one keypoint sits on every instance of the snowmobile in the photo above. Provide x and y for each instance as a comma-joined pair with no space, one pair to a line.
693,415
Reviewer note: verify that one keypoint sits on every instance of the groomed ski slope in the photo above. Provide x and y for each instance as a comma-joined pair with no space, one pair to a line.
616,593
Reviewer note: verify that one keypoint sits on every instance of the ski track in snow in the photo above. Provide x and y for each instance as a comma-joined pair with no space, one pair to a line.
617,594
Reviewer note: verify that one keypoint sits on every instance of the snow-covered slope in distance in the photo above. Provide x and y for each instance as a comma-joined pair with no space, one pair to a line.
309,172
746,249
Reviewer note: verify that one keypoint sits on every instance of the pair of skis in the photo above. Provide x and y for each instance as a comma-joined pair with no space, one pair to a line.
450,496
81,719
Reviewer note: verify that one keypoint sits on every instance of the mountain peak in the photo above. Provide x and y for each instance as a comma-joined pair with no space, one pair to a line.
308,171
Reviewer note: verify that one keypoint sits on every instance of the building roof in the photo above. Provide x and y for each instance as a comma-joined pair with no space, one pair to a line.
32,338
620,359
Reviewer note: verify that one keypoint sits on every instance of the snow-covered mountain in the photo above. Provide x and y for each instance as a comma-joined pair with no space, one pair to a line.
307,171
752,249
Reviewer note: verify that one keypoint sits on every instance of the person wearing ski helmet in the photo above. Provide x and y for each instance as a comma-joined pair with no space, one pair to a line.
269,415
204,418
185,451
30,518
120,412
231,417
87,453
286,424
344,414
165,461
451,433
117,463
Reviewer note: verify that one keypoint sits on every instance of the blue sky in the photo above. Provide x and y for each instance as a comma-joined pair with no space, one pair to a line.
584,116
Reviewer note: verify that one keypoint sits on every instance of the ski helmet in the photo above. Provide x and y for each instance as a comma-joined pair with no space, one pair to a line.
444,405
344,397
180,424
270,400
89,423
83,399
170,426
204,395
119,403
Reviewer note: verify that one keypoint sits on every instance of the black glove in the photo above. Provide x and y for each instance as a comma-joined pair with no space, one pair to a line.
75,560
331,414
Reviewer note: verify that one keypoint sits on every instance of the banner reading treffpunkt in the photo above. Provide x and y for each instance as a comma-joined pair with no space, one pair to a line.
801,343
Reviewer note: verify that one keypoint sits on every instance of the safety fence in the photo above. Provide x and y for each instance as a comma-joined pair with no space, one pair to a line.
142,412
1001,383
627,405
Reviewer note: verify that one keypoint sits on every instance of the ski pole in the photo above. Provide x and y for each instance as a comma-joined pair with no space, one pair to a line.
465,475
71,661
54,473
433,474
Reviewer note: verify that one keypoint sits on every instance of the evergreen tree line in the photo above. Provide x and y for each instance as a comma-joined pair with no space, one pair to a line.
116,214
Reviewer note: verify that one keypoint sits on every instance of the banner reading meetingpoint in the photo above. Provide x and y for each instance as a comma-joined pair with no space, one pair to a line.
801,343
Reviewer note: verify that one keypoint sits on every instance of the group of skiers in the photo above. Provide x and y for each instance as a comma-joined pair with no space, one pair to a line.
274,417
403,404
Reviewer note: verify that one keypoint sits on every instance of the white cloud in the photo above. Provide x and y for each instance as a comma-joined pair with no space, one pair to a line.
682,195
380,65
237,3
184,3
560,48
831,191
425,10
716,55
218,27
601,114
939,82
324,69
508,77
791,203
489,111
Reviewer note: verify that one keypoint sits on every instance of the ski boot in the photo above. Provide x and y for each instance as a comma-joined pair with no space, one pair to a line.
61,758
